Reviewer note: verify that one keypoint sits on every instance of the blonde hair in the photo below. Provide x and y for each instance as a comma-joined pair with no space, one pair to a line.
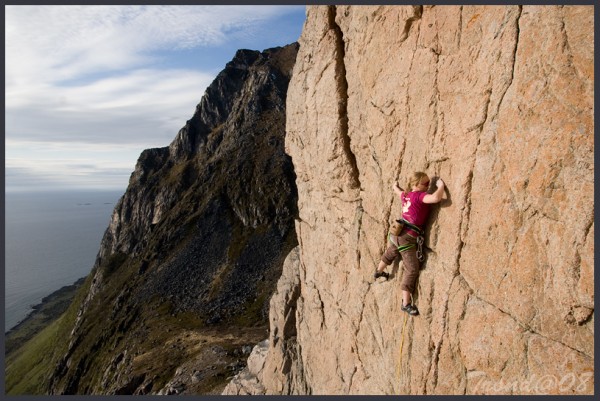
415,179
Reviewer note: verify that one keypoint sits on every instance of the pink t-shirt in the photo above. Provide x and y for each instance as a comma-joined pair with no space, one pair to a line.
414,210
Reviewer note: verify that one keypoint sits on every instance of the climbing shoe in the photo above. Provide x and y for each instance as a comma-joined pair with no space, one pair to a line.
381,274
410,309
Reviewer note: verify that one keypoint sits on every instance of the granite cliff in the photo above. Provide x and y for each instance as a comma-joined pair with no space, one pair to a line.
496,100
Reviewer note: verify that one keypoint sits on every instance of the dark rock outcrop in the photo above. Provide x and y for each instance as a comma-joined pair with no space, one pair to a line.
196,243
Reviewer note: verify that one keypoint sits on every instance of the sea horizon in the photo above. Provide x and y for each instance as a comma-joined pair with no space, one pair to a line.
52,238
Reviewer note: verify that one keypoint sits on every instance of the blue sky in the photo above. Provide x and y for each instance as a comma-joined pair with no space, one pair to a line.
87,88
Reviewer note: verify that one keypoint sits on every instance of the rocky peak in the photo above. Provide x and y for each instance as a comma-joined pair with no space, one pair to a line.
220,97
195,245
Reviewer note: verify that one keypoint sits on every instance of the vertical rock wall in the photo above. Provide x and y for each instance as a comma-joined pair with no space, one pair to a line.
498,101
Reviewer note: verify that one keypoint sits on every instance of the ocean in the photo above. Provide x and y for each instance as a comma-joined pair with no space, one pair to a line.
51,240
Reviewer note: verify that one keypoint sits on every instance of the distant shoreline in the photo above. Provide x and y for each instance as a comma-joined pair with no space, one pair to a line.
52,239
48,310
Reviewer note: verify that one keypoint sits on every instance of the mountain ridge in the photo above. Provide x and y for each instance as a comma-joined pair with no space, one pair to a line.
191,254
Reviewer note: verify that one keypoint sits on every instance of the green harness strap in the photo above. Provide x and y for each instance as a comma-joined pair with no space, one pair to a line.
401,248
405,247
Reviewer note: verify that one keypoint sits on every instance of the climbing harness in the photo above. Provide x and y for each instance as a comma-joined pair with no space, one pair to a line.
420,240
413,227
401,248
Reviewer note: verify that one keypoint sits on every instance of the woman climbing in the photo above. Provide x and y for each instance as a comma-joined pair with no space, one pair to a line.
415,210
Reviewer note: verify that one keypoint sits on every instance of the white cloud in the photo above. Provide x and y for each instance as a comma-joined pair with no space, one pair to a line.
142,106
65,64
134,87
44,165
53,43
87,84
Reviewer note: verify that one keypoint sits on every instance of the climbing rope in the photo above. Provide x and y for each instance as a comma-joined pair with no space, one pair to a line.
402,340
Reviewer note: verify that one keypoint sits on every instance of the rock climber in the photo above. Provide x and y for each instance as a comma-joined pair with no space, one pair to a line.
415,210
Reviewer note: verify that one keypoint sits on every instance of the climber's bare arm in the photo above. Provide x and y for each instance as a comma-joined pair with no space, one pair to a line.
397,189
437,196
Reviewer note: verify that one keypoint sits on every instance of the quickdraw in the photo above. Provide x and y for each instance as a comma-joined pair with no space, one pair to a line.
420,241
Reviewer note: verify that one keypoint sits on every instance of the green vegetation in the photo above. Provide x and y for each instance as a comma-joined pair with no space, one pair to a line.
28,369
51,308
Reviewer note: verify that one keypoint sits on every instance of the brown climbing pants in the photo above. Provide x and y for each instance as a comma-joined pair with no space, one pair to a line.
409,260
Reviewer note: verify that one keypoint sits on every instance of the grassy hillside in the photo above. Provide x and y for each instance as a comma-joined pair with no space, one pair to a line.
28,366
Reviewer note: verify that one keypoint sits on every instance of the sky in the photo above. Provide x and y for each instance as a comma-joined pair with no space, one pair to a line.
87,88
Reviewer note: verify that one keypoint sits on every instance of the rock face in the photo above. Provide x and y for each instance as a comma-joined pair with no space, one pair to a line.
498,102
195,246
